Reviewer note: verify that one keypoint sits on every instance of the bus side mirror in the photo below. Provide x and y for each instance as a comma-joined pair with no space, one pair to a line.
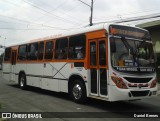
113,46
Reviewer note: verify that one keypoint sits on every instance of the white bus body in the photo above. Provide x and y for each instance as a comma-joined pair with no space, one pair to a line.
93,76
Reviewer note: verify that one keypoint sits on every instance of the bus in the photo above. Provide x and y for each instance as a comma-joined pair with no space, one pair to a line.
110,62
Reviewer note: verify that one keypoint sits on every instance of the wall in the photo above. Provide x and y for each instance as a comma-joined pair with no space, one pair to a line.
155,34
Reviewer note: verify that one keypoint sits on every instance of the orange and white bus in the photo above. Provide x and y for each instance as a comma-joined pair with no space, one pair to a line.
108,61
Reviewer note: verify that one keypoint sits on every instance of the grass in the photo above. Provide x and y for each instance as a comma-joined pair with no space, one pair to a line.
2,119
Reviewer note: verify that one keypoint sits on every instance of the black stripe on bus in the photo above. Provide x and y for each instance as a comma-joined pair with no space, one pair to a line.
60,79
6,72
9,73
48,77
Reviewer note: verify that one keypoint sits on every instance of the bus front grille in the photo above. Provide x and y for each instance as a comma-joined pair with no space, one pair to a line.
137,80
140,93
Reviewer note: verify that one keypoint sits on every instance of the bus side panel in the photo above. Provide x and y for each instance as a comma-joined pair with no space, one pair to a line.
34,74
7,71
66,72
20,67
57,74
48,80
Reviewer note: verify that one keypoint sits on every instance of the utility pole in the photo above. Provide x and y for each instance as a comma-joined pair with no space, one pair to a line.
91,18
91,7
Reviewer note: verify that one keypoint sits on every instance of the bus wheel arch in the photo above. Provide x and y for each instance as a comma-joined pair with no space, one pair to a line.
77,88
22,82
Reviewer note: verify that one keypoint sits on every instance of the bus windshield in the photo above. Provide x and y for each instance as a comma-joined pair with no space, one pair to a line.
129,55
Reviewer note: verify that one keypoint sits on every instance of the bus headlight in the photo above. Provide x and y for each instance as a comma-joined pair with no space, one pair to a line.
119,82
154,83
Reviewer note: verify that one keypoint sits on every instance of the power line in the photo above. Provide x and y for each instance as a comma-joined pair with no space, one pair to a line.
132,19
12,22
28,22
30,29
42,10
59,6
64,13
137,18
58,17
69,15
131,13
84,3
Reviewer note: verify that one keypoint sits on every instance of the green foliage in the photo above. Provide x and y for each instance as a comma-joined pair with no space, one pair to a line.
3,119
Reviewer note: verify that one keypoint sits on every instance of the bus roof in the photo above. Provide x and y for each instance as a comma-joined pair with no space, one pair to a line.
65,34
69,33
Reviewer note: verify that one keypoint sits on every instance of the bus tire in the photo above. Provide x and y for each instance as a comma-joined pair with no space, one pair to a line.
22,81
78,91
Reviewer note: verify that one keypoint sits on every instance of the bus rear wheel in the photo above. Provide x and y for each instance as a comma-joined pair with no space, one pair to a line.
22,81
78,91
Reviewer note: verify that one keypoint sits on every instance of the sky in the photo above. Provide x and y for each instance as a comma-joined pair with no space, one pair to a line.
24,20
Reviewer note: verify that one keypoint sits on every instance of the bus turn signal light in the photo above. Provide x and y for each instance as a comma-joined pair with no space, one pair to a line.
153,84
119,82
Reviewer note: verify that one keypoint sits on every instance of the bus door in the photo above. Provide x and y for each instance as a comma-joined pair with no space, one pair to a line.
98,67
13,64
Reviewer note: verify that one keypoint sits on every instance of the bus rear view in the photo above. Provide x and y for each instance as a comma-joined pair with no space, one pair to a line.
132,64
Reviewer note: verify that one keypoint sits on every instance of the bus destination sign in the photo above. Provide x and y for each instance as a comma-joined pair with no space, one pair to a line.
131,32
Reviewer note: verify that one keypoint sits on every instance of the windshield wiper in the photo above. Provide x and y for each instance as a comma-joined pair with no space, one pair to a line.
130,50
137,48
127,45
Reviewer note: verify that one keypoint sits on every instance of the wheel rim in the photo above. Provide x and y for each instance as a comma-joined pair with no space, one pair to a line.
77,91
22,82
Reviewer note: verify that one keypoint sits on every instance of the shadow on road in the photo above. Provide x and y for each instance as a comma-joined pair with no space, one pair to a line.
120,106
44,92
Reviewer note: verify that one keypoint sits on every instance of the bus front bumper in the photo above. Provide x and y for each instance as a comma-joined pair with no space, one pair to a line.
116,94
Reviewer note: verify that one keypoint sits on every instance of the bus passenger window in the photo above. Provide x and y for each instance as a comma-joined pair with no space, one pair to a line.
22,52
80,54
33,51
49,50
61,48
7,56
102,53
77,45
40,51
93,54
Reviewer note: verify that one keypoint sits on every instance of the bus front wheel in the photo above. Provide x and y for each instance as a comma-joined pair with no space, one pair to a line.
78,91
22,81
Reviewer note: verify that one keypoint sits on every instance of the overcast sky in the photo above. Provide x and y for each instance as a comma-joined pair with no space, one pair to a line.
22,20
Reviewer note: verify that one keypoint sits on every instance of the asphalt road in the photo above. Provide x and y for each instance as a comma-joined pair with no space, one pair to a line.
13,99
